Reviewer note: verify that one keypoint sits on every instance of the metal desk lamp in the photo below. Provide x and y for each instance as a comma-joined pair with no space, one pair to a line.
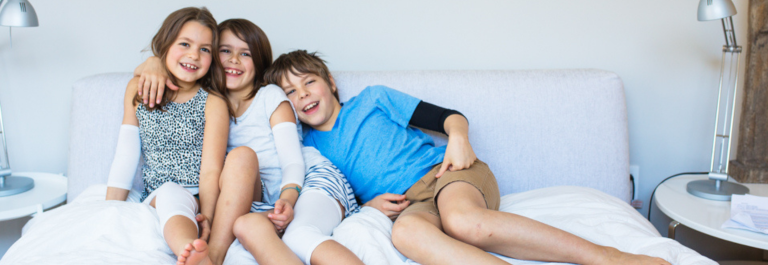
15,13
717,186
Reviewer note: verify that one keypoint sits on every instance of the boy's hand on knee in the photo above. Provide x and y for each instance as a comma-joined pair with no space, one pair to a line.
282,215
389,204
458,155
205,226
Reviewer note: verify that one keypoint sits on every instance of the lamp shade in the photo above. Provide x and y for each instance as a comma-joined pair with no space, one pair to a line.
18,13
716,9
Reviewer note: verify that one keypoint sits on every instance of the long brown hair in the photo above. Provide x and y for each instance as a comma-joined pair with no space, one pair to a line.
213,82
258,43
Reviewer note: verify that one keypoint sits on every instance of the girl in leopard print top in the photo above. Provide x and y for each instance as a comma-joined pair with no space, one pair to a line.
182,138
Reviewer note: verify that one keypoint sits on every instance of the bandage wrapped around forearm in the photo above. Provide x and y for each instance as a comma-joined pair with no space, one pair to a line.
127,155
289,153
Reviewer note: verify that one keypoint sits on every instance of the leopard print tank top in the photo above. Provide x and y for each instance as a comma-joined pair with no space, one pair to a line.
172,142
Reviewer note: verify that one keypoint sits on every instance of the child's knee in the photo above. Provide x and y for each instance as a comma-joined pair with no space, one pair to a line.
251,223
172,200
468,227
303,240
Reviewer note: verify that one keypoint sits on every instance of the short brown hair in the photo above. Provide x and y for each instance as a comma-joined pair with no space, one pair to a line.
258,43
299,62
213,82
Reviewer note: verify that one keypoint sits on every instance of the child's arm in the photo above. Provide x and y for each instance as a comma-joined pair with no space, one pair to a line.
152,80
286,138
214,150
458,154
128,149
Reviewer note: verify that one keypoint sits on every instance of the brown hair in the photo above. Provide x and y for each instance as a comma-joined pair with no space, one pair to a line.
258,43
299,62
213,82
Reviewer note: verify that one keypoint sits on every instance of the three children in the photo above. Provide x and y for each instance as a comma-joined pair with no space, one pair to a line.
444,200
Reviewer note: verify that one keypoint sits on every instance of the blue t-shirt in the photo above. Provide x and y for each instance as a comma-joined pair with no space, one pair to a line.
373,145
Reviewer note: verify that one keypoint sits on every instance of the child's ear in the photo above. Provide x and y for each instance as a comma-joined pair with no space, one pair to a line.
333,83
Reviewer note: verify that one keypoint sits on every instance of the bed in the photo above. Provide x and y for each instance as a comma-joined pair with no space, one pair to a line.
556,140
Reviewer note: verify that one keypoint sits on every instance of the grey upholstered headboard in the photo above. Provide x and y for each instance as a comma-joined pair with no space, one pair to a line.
535,128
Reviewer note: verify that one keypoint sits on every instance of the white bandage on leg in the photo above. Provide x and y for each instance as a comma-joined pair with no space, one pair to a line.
127,155
289,153
172,199
315,217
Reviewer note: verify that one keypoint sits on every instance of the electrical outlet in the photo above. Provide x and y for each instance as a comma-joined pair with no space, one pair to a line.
634,170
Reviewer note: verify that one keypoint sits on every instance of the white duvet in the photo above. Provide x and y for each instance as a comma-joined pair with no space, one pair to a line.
92,231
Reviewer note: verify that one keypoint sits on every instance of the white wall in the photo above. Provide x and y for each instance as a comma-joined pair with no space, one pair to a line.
668,60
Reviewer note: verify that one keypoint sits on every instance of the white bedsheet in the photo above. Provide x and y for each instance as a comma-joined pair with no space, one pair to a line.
92,231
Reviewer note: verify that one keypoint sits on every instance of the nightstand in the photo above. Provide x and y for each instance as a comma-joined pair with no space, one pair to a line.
704,215
50,190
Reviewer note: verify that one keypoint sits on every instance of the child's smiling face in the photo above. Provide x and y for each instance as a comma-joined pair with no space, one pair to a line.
189,57
313,99
238,64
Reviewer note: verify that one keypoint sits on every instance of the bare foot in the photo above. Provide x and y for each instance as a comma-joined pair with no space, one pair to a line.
194,253
614,256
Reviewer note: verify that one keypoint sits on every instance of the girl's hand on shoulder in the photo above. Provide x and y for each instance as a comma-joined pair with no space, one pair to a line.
458,155
390,204
282,216
205,226
152,81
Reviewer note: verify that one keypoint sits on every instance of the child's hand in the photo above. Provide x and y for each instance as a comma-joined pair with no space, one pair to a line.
205,226
389,204
152,81
458,155
282,216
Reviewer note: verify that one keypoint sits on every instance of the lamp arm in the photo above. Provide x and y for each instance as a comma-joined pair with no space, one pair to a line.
729,32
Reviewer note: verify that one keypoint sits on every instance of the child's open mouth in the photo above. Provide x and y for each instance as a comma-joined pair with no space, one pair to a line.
311,107
189,67
233,72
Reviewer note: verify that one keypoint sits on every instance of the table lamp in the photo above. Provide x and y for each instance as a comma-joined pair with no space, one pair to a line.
717,186
15,13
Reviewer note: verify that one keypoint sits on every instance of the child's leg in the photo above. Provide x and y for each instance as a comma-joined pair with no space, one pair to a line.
259,236
309,235
176,209
474,229
465,217
240,186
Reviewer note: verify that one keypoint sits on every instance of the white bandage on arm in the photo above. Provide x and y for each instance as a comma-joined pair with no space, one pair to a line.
289,153
127,155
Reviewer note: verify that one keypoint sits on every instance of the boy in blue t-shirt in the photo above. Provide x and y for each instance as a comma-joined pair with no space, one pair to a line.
397,169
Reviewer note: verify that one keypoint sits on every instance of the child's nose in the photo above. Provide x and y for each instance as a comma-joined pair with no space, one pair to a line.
303,93
194,55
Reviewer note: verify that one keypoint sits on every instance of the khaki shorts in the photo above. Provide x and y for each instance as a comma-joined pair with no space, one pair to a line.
424,192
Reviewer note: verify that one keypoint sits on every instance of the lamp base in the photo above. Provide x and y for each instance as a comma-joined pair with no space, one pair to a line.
708,189
12,185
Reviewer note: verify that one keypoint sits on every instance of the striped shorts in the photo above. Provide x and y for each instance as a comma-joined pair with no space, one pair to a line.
328,179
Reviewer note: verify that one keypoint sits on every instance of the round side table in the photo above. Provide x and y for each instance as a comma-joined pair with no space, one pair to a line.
704,215
50,190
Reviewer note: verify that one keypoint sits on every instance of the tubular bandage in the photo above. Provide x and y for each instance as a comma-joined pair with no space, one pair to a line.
127,155
172,199
289,153
315,217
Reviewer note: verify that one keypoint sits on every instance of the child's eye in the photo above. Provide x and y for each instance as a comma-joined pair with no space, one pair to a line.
205,50
290,91
224,51
184,44
245,54
309,82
